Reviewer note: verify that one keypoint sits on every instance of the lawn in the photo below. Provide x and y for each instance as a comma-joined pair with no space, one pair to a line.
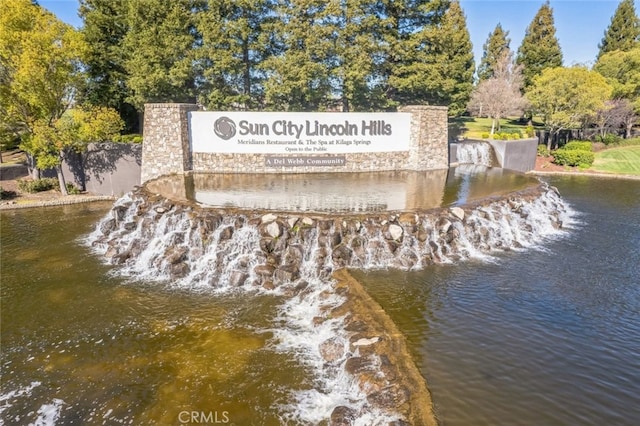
623,160
474,127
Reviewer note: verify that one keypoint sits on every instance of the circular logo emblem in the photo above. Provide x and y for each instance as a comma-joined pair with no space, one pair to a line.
224,128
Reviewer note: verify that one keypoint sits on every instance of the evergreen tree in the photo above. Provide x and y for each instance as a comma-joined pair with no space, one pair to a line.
159,51
234,43
540,48
496,43
624,31
445,74
104,29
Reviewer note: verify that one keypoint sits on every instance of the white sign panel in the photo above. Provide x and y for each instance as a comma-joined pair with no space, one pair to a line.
298,132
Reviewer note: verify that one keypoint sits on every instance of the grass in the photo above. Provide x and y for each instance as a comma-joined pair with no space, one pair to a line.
474,127
622,160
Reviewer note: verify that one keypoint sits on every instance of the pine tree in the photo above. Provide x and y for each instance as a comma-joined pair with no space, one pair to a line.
540,48
496,43
104,30
624,31
159,51
234,43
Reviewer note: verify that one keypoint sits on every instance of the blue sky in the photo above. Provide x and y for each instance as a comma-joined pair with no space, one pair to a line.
580,24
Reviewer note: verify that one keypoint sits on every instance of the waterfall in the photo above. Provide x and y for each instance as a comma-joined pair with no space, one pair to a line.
294,255
479,153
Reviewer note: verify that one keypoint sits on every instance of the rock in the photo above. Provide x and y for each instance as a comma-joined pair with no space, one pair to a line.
445,225
268,218
342,254
358,365
238,278
366,342
264,270
457,212
396,232
268,285
175,254
107,226
273,229
226,233
130,226
179,270
390,397
342,416
332,349
160,210
292,221
285,274
307,221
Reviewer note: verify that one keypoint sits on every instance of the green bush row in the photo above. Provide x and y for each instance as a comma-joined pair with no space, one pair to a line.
37,185
133,138
503,136
543,151
578,146
573,157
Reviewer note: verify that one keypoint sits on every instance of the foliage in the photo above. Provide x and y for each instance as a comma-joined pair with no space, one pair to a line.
623,33
578,145
132,138
158,48
41,67
567,157
622,71
493,48
72,189
499,95
530,131
540,48
543,151
37,185
104,29
567,97
609,139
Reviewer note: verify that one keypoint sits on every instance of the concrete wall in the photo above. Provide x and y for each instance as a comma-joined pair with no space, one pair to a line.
166,147
105,169
519,155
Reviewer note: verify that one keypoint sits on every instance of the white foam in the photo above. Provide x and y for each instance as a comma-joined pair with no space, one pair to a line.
48,413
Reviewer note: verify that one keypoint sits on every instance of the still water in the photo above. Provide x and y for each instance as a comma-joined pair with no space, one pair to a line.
548,336
541,337
81,346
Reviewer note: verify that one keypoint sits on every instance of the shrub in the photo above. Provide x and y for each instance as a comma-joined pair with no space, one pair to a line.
132,138
529,131
573,157
37,185
6,195
578,146
543,151
609,139
485,136
516,135
72,189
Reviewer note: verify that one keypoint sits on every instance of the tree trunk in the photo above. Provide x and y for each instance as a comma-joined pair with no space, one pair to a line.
61,181
493,126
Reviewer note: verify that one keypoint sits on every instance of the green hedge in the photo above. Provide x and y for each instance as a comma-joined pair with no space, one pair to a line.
38,185
578,146
573,157
132,138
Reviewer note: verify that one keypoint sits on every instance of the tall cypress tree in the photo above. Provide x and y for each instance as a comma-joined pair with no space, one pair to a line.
624,31
493,50
540,48
104,29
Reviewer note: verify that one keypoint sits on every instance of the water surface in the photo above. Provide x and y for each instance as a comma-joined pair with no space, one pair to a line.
549,336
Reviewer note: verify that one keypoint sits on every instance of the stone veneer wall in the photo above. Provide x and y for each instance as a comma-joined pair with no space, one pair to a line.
166,147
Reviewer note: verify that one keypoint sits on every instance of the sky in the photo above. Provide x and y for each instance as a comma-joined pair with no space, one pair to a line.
580,24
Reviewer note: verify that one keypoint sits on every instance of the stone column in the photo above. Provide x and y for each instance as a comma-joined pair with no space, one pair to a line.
429,137
166,147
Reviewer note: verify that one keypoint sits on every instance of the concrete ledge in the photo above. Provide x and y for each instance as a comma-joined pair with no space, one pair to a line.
518,155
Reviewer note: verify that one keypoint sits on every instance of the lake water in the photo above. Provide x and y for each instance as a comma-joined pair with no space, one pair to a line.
547,336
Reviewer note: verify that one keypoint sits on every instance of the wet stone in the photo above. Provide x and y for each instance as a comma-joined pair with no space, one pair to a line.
343,416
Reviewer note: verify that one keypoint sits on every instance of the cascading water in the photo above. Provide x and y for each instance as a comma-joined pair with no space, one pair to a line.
294,255
479,153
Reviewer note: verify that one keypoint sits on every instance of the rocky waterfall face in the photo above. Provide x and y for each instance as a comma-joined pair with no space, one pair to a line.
296,256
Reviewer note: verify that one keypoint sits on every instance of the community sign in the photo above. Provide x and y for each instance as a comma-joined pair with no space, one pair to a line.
298,132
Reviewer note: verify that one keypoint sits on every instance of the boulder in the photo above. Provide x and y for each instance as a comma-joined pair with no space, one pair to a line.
343,416
332,349
457,212
268,218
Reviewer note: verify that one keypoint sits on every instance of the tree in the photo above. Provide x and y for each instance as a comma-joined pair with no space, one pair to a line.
567,97
159,51
622,71
105,27
72,132
40,70
234,43
499,95
497,42
623,32
616,114
445,74
540,48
